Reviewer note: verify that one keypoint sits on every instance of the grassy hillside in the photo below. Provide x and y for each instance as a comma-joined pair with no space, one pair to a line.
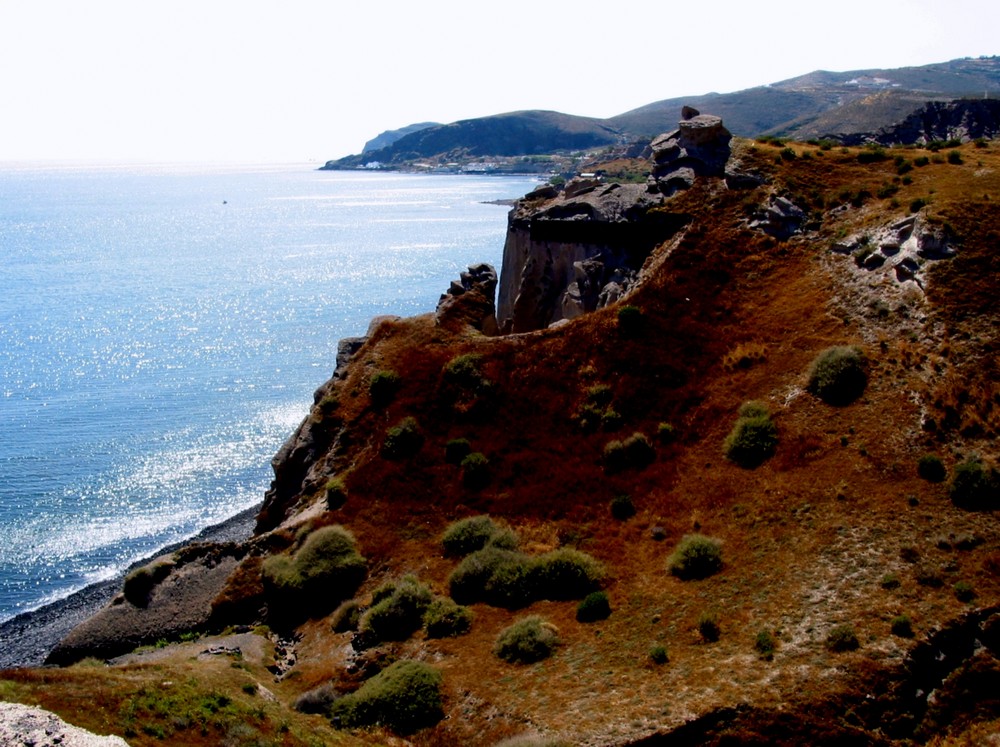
842,553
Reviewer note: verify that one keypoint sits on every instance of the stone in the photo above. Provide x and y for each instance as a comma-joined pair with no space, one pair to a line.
779,217
689,112
698,147
469,301
28,725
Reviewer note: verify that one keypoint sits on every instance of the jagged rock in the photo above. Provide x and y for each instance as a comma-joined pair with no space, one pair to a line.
699,147
469,301
904,246
689,112
780,217
964,119
36,727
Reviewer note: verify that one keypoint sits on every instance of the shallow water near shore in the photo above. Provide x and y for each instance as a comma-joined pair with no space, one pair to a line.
162,330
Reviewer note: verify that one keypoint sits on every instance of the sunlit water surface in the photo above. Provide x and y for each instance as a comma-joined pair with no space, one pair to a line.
162,331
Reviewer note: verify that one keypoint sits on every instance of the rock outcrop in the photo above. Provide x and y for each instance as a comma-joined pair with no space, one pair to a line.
26,726
573,251
965,119
900,249
469,301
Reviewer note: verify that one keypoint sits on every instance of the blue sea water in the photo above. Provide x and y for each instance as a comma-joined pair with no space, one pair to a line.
162,330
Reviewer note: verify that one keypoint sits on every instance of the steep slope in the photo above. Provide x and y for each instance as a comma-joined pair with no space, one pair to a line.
827,542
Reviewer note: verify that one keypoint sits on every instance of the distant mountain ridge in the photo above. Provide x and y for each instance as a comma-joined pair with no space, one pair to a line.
818,104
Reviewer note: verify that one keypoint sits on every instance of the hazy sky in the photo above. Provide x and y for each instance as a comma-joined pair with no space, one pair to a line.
310,80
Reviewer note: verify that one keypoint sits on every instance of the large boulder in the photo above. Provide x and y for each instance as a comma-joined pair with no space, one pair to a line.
698,147
469,301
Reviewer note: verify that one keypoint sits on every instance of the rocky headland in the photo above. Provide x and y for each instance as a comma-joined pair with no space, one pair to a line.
648,380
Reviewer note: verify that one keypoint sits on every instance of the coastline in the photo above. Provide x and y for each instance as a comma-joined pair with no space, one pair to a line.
25,640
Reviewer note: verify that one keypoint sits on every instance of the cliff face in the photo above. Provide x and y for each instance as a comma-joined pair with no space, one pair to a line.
575,250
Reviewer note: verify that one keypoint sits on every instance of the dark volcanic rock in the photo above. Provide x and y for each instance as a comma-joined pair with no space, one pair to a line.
965,119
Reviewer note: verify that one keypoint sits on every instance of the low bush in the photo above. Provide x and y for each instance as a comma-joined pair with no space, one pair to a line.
400,614
595,606
975,487
599,395
139,583
505,539
631,321
753,438
346,617
382,387
842,638
931,468
404,697
464,371
318,700
917,204
325,570
696,556
445,619
402,440
708,627
765,644
658,654
955,157
838,375
468,535
635,452
456,450
964,592
336,493
527,640
872,154
901,626
506,578
666,433
622,507
475,471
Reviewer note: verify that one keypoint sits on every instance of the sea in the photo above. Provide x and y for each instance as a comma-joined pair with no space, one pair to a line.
163,328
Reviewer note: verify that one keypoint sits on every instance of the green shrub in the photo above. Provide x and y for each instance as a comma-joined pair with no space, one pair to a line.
974,487
917,204
506,578
872,154
599,395
708,627
464,371
753,438
842,638
931,468
631,321
475,471
765,644
336,493
889,582
445,619
921,161
405,697
139,583
399,615
964,591
611,420
382,387
955,157
838,375
456,450
635,452
595,606
696,556
901,626
565,574
346,617
468,535
317,700
787,154
325,570
505,539
666,433
527,640
622,507
658,654
402,440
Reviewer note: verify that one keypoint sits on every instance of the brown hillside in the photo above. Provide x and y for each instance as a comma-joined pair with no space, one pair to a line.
835,529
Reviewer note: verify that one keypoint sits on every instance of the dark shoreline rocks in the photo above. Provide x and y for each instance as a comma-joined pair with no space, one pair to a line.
27,639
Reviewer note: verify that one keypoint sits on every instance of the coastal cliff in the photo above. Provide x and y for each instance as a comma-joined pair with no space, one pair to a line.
731,481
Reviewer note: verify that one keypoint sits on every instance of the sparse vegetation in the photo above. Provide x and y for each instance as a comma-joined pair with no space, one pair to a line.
963,591
842,638
931,468
666,433
404,697
635,452
139,583
658,655
622,507
446,619
901,626
398,615
753,438
403,440
708,627
528,640
631,321
974,487
838,375
696,556
383,386
335,493
468,535
326,569
475,471
765,644
595,606
346,617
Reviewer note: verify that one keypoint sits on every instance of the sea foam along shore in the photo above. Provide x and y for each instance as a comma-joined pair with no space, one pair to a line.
26,640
